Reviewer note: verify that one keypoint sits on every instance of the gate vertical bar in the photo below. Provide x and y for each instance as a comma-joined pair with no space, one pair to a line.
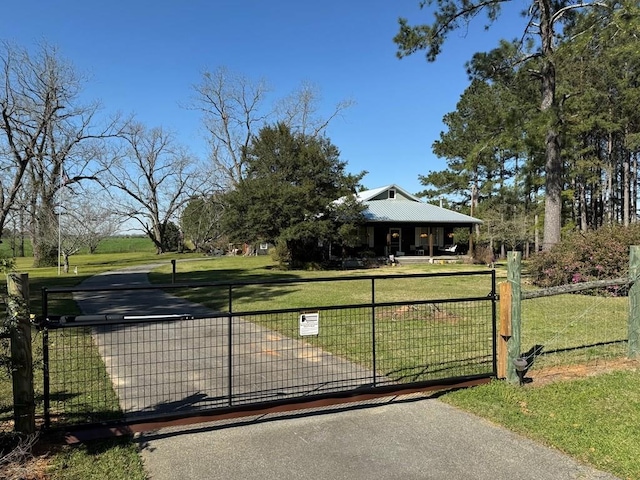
373,331
46,385
230,346
494,321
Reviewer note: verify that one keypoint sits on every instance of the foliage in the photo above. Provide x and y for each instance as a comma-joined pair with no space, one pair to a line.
173,238
289,195
484,254
505,224
553,109
583,257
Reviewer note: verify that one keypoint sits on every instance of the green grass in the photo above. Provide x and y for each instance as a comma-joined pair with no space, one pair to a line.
565,324
115,459
124,244
595,420
259,297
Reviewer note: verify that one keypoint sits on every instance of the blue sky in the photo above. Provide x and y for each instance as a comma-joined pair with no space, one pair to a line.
144,56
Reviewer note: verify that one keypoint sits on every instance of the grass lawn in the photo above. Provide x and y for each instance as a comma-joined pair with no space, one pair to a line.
594,419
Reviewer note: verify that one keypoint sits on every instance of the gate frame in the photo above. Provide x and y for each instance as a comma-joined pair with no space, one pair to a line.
82,432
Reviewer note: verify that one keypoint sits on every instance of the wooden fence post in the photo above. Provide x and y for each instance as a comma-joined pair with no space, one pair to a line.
634,302
21,359
513,343
504,328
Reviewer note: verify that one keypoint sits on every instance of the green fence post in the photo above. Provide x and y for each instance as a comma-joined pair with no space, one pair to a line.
21,359
513,344
634,302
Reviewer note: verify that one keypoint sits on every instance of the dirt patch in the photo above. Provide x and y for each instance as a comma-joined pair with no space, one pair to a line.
426,312
28,459
34,468
561,373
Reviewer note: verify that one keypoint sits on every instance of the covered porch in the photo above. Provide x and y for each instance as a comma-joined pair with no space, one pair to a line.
418,242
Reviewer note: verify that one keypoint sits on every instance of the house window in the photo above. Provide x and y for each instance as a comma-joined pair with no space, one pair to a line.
424,237
392,194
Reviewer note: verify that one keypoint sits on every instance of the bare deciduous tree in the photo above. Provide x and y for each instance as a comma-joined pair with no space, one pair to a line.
85,220
49,138
153,177
300,111
234,108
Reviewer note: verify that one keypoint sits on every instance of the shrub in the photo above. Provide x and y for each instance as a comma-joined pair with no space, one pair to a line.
281,253
483,254
585,257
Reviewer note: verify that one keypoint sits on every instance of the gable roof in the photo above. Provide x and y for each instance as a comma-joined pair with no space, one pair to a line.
406,208
369,195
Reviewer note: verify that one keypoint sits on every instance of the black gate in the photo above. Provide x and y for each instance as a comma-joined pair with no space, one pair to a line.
141,357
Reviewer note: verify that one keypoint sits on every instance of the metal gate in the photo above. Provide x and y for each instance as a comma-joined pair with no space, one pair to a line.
141,357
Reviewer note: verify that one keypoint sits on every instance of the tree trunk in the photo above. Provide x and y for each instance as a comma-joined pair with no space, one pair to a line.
634,187
610,174
626,188
584,224
553,184
553,163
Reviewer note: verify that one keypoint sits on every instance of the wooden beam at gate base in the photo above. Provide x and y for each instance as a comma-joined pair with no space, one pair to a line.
81,435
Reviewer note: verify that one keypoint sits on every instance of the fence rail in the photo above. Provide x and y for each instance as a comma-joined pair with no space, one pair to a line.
575,288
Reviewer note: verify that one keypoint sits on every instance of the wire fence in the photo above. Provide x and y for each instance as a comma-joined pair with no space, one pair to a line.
6,398
574,329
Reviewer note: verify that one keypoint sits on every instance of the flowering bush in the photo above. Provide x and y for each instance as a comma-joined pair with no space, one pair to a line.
584,257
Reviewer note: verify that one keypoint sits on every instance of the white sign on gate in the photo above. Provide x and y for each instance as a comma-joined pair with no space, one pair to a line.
309,323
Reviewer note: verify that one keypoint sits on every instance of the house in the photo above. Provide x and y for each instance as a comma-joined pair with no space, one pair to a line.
398,223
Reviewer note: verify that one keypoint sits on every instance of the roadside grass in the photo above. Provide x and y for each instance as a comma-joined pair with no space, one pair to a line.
115,459
595,420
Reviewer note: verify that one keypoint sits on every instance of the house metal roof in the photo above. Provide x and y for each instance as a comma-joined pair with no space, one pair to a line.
414,211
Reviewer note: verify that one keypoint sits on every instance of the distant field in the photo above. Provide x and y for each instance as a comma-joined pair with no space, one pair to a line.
108,245
125,245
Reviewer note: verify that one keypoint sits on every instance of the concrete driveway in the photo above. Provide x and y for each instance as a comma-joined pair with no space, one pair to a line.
402,438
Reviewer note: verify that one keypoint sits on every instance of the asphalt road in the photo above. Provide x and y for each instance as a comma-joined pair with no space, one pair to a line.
403,438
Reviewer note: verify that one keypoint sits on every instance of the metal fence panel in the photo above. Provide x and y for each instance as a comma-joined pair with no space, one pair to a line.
110,370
